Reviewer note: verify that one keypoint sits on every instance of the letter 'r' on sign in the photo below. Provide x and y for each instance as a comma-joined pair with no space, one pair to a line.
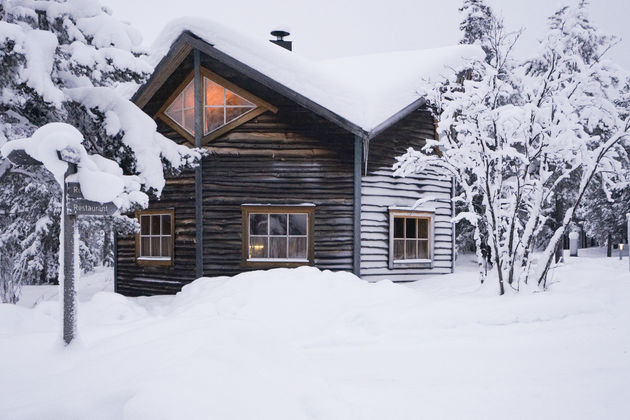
74,190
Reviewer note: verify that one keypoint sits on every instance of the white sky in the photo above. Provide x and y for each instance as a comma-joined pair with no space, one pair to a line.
331,28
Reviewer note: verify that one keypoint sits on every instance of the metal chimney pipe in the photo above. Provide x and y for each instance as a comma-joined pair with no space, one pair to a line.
280,39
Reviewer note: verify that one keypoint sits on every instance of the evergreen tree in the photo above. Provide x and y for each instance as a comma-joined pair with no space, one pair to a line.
477,26
70,61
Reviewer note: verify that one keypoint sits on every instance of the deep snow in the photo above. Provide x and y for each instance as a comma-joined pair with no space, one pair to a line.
304,344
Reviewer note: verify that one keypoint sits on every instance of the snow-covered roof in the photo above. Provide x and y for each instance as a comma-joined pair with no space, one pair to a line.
364,90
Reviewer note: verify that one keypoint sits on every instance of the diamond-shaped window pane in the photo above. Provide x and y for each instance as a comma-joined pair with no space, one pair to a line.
189,96
214,118
182,109
232,98
233,113
215,94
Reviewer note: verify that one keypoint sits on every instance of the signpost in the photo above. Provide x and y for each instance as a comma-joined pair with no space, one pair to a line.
70,255
74,205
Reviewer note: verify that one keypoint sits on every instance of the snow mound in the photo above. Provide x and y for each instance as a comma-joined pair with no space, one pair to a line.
302,303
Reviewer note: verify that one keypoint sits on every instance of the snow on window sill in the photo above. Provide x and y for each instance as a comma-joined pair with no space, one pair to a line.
290,260
416,261
154,258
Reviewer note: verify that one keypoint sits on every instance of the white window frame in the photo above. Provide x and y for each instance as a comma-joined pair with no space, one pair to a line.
416,214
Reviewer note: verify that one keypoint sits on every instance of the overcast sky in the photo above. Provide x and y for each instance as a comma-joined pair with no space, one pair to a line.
331,28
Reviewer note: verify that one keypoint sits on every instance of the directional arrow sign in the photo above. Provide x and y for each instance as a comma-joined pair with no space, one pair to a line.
74,190
82,207
20,157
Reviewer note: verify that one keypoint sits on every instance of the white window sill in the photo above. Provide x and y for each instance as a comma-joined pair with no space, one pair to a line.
276,260
417,261
154,258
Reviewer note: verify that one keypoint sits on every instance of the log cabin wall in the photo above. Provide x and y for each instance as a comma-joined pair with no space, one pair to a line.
278,159
133,279
381,190
291,157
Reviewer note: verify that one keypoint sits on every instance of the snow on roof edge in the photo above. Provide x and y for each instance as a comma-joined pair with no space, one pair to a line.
351,87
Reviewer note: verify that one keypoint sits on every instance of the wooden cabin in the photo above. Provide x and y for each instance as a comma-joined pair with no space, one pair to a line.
295,173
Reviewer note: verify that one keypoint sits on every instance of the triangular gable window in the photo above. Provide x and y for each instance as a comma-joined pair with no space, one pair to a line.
223,108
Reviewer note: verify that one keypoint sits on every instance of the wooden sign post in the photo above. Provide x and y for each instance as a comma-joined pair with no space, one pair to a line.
73,205
70,263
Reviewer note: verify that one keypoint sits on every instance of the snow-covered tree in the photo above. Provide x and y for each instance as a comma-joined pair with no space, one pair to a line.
514,132
478,25
70,61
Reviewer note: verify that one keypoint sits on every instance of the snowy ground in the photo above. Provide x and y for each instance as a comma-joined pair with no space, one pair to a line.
300,344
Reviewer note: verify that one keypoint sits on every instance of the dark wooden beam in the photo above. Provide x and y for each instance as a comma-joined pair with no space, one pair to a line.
20,157
198,86
356,246
176,54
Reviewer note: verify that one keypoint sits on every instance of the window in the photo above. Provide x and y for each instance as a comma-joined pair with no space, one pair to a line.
155,240
225,106
411,237
277,234
221,106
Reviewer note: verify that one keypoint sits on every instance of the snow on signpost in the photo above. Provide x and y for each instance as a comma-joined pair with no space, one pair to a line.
58,147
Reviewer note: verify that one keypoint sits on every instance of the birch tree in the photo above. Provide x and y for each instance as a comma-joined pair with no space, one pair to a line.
512,132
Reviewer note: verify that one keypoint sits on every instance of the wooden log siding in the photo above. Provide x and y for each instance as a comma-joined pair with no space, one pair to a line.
278,159
381,190
134,279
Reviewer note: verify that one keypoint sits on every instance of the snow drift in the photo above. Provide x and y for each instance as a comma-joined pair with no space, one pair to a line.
310,344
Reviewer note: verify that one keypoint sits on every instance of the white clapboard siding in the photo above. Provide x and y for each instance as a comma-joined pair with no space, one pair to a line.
380,191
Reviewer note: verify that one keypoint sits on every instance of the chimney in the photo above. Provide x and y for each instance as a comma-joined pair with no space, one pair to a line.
280,39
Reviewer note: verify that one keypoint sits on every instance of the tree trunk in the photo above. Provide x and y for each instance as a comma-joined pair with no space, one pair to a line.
609,245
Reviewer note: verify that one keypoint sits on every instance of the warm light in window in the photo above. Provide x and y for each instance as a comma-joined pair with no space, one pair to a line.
221,106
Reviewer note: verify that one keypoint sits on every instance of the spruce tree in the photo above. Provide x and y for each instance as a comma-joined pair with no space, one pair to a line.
70,61
477,26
